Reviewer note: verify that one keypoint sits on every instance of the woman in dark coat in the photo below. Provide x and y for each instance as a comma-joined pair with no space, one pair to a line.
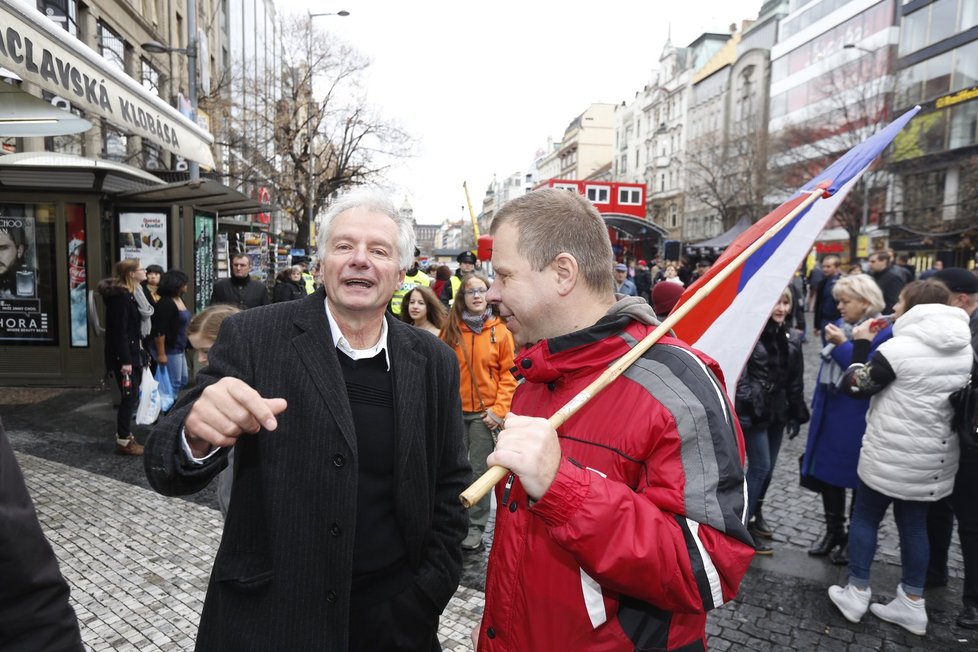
123,352
839,421
769,400
288,285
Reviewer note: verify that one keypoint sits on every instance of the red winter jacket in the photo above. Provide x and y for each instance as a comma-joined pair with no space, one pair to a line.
642,531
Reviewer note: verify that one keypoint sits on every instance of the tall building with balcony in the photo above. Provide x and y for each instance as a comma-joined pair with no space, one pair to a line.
587,143
665,113
935,158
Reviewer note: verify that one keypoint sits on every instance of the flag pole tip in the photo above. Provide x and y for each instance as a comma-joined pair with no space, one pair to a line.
825,185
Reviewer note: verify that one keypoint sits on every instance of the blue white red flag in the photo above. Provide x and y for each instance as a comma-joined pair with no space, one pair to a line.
727,323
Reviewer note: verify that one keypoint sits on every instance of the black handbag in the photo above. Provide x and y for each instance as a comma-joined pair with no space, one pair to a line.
965,403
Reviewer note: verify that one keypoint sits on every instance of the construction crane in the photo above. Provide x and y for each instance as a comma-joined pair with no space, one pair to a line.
475,222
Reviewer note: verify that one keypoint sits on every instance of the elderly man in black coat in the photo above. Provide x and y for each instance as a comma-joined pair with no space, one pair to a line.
344,527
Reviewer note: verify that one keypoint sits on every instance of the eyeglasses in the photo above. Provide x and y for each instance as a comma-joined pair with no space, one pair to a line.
475,293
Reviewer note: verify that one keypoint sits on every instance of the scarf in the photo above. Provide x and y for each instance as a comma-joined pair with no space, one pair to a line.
831,373
476,322
145,312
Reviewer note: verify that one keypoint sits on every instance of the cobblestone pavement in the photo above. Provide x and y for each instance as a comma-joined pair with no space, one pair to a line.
138,562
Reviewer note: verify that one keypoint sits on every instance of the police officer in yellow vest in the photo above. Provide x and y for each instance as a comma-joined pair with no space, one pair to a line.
413,277
308,282
466,265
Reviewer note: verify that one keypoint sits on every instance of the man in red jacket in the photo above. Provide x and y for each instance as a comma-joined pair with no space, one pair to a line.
622,529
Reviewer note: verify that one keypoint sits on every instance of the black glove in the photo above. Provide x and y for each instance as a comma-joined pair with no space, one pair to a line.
792,429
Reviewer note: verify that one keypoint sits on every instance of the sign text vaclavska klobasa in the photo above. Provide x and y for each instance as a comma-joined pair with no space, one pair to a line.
93,86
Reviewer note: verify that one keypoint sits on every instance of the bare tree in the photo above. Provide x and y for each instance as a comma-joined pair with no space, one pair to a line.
308,131
852,101
729,175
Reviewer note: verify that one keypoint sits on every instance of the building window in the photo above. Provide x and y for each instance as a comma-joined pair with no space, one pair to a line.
113,143
572,187
629,196
597,194
111,46
662,182
62,12
673,219
150,77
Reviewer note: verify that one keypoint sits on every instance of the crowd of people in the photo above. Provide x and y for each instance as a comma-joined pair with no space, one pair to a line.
401,383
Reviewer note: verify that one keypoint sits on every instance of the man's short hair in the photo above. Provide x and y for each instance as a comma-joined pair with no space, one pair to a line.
833,259
374,200
239,256
883,256
550,222
16,235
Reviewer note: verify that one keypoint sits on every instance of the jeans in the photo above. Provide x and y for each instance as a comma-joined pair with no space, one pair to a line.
478,441
911,520
762,444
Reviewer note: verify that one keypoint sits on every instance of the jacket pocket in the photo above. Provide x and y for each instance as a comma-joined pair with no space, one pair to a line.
246,573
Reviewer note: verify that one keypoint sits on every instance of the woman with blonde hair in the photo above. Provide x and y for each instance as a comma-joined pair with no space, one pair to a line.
424,310
123,345
484,347
838,421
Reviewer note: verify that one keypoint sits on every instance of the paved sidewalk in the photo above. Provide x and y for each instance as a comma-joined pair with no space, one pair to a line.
138,562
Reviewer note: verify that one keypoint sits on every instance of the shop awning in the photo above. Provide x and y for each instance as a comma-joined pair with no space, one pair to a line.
634,226
23,115
69,172
39,51
723,240
205,194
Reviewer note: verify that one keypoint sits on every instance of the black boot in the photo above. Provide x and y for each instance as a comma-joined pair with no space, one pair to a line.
761,547
761,526
835,535
840,556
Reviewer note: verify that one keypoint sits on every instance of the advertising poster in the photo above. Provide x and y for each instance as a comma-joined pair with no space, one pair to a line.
143,236
26,273
77,276
203,260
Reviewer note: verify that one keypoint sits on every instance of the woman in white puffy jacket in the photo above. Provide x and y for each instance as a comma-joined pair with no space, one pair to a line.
909,455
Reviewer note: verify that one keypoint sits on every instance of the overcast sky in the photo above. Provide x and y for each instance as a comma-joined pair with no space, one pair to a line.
481,85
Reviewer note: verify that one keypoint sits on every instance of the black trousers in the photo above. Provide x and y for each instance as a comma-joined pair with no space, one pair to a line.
963,504
128,402
406,622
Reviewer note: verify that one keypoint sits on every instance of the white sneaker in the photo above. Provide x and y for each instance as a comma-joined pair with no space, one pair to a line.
852,602
908,614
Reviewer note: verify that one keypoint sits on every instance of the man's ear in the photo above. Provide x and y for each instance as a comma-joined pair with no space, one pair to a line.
567,272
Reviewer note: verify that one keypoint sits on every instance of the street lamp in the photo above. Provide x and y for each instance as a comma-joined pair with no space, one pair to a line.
311,189
155,47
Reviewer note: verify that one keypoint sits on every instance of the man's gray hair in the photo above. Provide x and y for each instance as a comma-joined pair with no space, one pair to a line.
550,222
375,200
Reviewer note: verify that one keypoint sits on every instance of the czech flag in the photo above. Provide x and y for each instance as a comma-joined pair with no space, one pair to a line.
726,324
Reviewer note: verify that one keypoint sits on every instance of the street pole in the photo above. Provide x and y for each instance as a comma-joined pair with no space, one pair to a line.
194,167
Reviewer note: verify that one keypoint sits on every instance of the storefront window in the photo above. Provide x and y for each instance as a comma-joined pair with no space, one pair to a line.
77,274
27,273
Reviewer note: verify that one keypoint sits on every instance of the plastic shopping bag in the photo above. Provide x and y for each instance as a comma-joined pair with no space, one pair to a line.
167,396
148,410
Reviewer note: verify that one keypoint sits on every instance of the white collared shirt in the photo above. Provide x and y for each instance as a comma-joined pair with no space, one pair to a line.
341,343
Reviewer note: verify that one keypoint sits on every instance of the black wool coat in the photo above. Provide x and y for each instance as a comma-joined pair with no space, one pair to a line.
282,576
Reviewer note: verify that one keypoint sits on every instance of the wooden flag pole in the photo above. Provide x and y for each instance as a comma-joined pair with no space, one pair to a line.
484,484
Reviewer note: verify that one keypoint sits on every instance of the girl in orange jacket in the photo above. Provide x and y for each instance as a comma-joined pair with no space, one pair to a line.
484,347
